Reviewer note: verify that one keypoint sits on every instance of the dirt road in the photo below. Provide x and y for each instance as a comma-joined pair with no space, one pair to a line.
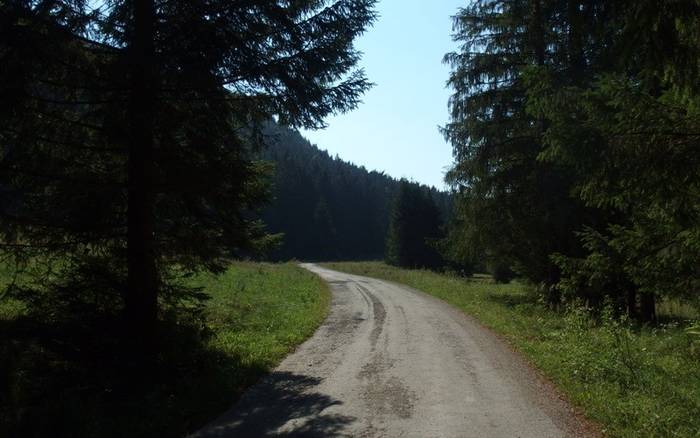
391,361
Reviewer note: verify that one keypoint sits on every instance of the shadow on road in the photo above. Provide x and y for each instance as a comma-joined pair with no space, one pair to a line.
281,398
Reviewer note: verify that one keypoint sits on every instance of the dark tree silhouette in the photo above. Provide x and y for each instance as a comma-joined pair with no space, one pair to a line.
573,125
414,228
517,209
128,131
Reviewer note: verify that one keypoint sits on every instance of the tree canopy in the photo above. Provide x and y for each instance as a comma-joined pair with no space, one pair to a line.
415,225
573,125
128,132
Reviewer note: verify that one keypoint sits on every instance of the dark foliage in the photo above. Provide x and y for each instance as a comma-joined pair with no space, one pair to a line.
130,134
129,131
574,126
517,210
415,225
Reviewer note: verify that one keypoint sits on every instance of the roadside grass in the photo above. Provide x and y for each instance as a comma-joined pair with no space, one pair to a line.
635,381
257,314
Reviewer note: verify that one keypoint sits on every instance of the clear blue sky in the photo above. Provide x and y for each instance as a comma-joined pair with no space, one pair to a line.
395,129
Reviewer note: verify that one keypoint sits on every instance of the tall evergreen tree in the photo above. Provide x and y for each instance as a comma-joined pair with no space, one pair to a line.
630,137
414,228
518,210
127,130
572,125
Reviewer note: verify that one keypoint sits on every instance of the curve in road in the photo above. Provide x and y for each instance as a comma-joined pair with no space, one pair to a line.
392,361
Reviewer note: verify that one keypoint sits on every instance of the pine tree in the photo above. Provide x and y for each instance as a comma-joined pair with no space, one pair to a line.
127,131
357,202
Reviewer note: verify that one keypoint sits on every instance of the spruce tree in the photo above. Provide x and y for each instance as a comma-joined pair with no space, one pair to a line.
516,209
629,136
414,228
573,124
127,129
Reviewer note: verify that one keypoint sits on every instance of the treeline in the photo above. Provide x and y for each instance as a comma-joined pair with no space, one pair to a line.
576,130
327,208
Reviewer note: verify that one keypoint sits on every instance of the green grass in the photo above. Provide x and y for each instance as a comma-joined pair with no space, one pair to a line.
257,314
634,381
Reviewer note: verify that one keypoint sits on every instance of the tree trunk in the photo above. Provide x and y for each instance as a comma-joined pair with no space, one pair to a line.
537,32
648,307
142,295
575,41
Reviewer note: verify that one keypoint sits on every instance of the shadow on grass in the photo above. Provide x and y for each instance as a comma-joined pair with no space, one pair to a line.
279,399
78,379
512,300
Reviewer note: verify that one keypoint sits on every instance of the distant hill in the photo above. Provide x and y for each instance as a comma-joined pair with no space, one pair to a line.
327,208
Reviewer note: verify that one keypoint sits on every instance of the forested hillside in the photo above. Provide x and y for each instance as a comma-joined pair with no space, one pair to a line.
327,208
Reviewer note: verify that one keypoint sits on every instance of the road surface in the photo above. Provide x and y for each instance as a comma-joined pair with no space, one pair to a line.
392,361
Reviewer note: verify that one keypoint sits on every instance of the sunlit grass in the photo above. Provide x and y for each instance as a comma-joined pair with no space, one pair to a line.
261,311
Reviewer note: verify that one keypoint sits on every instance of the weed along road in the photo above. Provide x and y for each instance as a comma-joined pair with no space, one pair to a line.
391,361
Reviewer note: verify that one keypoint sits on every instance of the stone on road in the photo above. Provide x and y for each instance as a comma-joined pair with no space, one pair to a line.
392,361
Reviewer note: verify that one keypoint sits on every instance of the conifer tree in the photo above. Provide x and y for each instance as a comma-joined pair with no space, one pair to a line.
127,129
414,227
572,125
328,208
629,135
517,209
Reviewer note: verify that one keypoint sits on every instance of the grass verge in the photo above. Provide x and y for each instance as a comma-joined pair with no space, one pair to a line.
256,315
634,381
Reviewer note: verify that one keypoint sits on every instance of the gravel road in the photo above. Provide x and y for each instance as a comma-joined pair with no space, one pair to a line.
392,361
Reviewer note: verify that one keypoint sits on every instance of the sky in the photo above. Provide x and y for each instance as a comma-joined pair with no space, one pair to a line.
395,129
